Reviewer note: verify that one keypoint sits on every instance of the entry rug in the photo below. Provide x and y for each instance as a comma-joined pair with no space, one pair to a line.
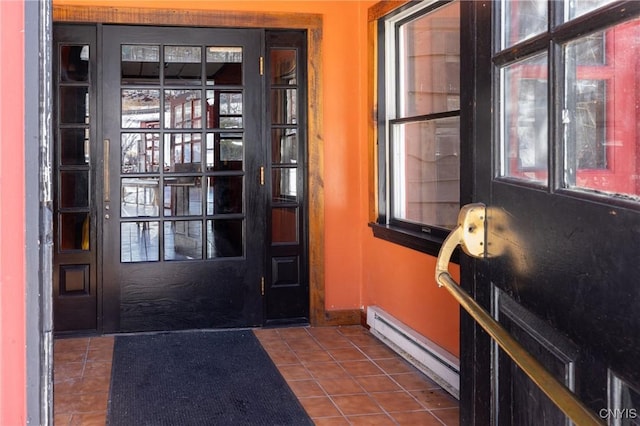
198,378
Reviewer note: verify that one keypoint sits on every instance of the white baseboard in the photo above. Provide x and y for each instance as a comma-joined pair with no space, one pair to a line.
434,361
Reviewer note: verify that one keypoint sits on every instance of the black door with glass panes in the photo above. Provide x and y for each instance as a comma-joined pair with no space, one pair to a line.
552,94
179,184
182,195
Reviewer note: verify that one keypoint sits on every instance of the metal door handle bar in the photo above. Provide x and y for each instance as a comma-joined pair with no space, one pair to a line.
470,234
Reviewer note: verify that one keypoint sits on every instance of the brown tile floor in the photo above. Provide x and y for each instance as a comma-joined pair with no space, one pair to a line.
341,375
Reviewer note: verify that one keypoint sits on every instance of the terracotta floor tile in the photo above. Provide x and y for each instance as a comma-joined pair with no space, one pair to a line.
334,343
371,419
293,333
62,419
377,384
283,356
308,357
365,340
89,419
71,403
97,369
326,370
435,398
331,421
340,386
305,344
306,388
413,418
62,357
68,370
449,416
67,385
104,343
378,352
356,404
395,366
397,401
92,384
294,372
319,407
275,345
76,344
361,368
413,381
347,354
99,355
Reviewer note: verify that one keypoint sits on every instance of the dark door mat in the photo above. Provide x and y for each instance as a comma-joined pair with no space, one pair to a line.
198,378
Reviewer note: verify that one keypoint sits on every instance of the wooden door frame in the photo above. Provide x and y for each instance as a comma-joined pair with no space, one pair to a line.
313,23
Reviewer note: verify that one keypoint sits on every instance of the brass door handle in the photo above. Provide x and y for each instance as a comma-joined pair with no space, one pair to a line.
471,235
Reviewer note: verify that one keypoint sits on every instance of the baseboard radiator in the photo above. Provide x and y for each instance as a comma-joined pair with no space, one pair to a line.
434,361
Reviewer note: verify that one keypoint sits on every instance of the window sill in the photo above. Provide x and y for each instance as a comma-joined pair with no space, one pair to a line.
413,240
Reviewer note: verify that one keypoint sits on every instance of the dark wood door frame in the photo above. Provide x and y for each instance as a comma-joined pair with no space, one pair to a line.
475,83
312,23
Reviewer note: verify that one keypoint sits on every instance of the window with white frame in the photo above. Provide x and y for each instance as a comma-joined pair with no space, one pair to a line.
419,124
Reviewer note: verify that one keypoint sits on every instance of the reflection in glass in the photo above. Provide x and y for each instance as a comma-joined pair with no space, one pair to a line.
182,64
599,116
140,108
139,241
284,184
429,63
525,120
182,109
284,106
140,64
140,152
224,238
284,146
74,147
283,66
224,151
182,240
140,197
426,171
224,65
182,196
74,189
74,105
182,152
224,194
74,231
74,63
580,7
522,20
284,225
224,109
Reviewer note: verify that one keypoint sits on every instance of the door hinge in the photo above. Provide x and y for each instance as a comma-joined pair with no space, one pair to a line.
262,285
261,65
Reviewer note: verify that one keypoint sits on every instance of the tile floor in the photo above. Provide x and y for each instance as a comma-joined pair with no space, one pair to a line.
341,375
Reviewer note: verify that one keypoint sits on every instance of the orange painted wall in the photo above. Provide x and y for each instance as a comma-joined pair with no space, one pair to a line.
359,270
12,216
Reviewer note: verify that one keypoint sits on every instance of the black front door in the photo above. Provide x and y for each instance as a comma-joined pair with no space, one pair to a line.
553,129
182,196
